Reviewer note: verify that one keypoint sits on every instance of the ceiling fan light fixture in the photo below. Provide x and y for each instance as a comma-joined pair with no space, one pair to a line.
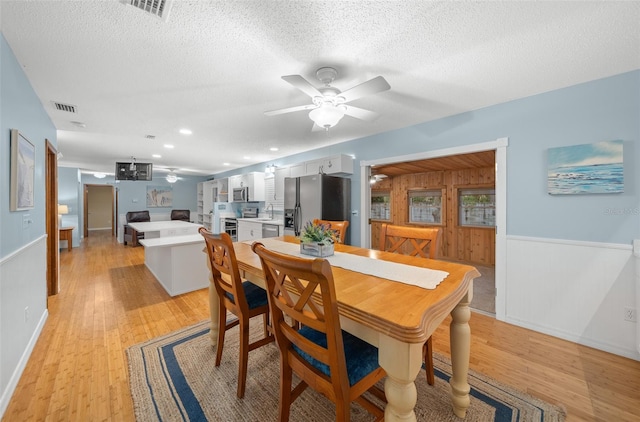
172,177
326,116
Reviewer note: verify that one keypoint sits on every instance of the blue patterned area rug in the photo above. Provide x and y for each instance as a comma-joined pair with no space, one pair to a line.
173,378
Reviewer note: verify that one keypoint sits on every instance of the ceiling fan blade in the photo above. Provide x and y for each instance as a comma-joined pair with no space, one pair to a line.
360,113
303,85
372,86
289,110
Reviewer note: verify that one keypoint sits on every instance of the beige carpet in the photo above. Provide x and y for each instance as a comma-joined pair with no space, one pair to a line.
173,378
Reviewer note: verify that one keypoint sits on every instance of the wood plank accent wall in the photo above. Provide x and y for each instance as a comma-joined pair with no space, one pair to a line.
468,244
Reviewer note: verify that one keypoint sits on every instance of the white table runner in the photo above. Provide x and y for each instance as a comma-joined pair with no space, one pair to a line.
407,274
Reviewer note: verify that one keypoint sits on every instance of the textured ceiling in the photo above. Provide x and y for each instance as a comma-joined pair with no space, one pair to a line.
215,67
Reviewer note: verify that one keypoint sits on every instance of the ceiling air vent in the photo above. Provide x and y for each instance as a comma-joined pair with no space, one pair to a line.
158,8
65,107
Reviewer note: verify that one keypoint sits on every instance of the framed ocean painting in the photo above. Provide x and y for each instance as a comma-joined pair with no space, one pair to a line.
586,169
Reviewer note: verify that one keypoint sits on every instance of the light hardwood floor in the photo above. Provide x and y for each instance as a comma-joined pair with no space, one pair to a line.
110,301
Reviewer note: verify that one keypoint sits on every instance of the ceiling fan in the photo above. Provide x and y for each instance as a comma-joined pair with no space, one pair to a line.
329,104
172,175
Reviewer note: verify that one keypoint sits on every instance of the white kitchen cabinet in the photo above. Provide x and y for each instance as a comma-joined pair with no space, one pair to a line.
336,164
234,182
249,230
222,190
269,189
312,167
280,175
208,188
254,181
297,170
200,203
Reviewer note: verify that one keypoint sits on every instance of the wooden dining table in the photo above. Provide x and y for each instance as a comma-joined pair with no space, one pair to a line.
397,318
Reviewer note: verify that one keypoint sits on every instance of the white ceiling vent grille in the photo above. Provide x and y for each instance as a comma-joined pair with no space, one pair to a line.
65,107
157,8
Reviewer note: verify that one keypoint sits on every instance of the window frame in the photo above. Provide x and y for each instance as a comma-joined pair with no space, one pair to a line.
479,189
381,193
443,200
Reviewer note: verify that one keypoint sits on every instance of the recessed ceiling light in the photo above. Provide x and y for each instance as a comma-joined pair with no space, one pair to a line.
157,156
273,149
168,146
99,175
225,164
185,131
79,124
246,157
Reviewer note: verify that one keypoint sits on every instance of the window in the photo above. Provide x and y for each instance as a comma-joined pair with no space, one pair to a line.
381,205
477,207
425,206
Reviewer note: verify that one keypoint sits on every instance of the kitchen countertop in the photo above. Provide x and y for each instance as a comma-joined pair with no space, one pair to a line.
263,221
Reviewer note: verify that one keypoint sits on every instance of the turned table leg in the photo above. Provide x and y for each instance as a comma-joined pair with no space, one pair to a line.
460,338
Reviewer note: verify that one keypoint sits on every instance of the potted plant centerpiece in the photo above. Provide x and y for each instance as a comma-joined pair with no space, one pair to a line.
317,240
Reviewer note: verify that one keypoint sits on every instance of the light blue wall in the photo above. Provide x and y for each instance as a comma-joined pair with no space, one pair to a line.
21,109
601,110
132,194
23,283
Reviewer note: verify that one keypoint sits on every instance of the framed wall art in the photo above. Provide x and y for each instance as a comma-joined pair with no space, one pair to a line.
586,169
159,196
23,165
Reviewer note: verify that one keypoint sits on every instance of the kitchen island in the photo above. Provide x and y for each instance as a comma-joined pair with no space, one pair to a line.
179,263
154,229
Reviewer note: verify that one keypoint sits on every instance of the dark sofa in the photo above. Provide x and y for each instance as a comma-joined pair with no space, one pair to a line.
131,235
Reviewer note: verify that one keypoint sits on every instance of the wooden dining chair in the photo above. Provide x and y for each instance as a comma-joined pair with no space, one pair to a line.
340,227
333,362
243,299
415,241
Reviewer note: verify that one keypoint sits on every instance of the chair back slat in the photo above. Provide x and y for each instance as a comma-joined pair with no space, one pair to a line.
231,291
415,241
306,324
224,269
302,290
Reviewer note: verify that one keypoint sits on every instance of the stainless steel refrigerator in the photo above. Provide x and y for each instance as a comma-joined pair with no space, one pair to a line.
316,196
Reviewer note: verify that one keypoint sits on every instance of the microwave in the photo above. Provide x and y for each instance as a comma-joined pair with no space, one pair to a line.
241,194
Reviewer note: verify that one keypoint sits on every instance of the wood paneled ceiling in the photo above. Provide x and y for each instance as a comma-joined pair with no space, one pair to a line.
452,162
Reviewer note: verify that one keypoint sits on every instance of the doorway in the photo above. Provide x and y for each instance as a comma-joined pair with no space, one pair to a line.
99,209
499,146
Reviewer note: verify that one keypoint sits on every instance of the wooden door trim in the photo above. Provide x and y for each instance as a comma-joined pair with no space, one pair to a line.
51,217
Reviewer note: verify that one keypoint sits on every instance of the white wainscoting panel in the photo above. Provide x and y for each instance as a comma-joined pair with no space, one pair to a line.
23,311
573,290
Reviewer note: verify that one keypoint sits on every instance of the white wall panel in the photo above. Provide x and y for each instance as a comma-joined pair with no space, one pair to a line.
573,290
23,311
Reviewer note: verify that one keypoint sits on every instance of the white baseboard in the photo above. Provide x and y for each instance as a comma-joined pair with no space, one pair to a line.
17,373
